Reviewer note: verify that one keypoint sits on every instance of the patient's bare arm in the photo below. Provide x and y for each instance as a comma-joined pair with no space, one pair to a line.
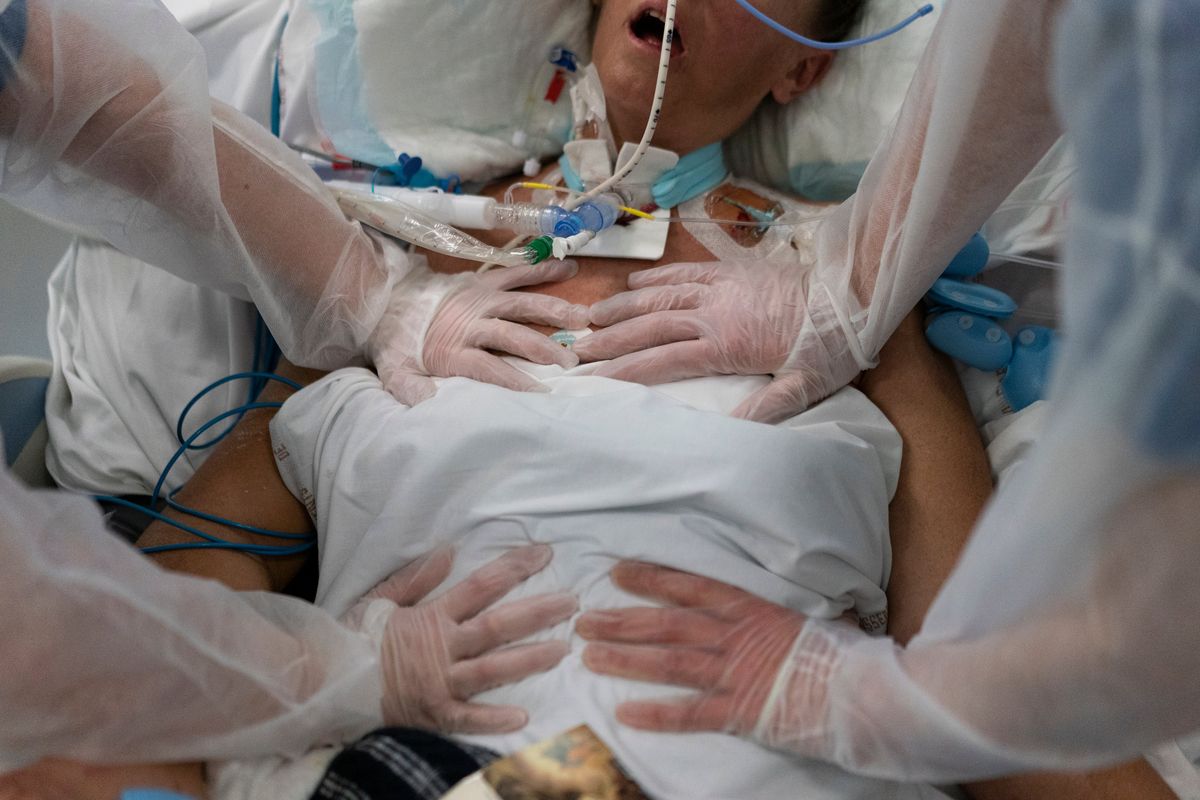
944,475
944,482
239,482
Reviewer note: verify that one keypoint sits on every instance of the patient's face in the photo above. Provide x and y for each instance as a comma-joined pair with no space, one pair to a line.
723,63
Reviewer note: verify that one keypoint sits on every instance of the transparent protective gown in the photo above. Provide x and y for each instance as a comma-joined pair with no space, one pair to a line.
117,660
1067,635
106,126
978,117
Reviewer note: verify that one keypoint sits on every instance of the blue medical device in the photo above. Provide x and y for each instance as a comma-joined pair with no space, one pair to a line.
971,260
963,324
971,338
796,37
1028,373
973,297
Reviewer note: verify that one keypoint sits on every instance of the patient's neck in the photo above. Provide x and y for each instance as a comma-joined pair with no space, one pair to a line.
674,137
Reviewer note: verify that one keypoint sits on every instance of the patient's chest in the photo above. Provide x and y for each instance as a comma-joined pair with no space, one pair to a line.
598,278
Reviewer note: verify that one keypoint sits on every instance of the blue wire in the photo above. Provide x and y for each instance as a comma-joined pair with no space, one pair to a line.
253,375
187,444
796,37
256,385
306,539
265,349
272,551
241,526
210,540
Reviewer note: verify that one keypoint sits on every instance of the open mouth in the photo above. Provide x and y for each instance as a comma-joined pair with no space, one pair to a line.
649,27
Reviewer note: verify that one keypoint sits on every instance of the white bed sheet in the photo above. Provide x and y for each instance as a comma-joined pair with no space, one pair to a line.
603,469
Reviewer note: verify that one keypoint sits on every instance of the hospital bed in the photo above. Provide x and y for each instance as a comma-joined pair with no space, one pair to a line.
23,383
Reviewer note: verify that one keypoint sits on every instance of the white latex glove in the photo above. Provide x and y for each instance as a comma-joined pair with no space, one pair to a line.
445,325
728,318
438,654
726,643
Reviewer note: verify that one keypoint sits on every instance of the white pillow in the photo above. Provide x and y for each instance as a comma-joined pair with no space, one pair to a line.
446,80
818,145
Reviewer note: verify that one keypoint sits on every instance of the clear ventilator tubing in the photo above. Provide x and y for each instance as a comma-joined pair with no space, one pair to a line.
476,211
531,219
403,221
459,210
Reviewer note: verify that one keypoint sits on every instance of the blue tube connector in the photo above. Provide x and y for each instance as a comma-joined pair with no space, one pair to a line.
596,215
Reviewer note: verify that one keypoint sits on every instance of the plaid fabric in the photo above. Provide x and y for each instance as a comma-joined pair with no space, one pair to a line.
400,764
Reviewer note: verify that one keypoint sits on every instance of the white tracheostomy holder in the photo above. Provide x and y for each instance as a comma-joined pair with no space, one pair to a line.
603,469
1065,636
93,632
108,128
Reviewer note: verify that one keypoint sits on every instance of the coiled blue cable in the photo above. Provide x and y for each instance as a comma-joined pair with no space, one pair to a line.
796,37
266,353
211,542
